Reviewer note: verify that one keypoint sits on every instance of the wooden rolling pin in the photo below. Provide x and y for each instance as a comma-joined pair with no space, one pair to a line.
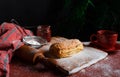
34,56
29,54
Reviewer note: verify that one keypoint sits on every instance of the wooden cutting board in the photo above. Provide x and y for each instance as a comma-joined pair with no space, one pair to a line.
70,65
79,61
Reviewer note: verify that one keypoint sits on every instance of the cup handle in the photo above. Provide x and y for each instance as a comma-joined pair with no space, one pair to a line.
93,38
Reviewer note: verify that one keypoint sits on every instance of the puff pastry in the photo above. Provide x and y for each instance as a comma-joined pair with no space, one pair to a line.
66,48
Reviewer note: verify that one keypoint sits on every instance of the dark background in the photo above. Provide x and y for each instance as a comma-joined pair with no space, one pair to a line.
68,18
29,12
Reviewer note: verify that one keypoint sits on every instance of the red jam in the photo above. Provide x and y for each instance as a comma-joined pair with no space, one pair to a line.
44,31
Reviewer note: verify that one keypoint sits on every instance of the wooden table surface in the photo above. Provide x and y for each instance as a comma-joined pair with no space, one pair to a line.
108,67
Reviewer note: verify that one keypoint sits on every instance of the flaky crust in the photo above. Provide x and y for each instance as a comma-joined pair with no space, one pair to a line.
57,39
66,48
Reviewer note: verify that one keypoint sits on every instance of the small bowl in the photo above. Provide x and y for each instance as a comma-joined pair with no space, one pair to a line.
34,41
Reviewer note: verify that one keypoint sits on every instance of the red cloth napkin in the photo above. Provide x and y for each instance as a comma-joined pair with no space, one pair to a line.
10,39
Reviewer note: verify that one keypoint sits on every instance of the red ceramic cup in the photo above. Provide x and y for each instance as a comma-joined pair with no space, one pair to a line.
106,39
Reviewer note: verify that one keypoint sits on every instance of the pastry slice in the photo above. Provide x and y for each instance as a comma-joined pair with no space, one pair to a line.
65,48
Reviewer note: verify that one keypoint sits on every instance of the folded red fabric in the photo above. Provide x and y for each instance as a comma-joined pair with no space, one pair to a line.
10,39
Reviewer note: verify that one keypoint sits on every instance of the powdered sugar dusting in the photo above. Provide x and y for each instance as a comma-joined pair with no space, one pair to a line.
117,73
107,70
33,42
104,70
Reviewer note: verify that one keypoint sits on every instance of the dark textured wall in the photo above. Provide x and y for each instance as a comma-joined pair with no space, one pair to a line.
29,12
64,21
